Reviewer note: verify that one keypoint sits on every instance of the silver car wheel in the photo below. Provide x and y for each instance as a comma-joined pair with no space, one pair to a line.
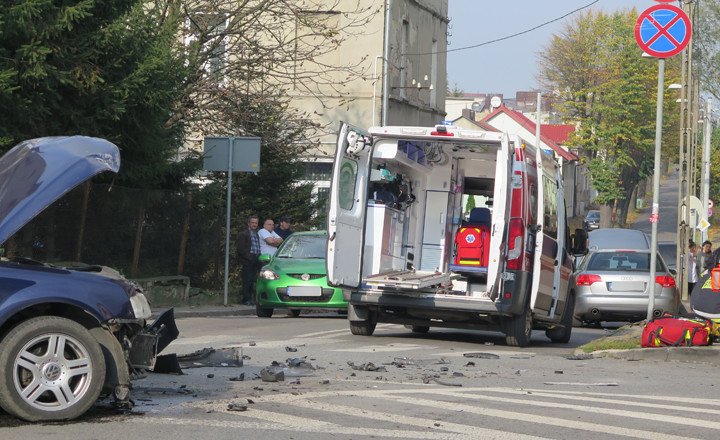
52,372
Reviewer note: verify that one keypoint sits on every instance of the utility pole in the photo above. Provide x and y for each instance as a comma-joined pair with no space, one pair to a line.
685,157
706,166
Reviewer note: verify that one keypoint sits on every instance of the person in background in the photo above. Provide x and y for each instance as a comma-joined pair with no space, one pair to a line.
693,272
284,230
269,240
248,252
704,259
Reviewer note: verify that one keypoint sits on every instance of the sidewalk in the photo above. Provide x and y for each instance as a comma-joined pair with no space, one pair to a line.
205,311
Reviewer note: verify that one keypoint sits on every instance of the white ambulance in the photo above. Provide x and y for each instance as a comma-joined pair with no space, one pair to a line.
446,227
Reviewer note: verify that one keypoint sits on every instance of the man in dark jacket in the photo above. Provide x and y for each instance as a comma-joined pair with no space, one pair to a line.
284,230
248,252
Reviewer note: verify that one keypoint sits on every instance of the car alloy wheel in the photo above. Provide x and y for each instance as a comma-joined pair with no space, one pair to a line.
54,369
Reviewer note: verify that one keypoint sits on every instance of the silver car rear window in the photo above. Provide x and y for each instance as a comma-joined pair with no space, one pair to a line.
622,261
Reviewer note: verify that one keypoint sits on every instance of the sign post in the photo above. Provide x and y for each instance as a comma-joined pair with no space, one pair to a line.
241,154
661,31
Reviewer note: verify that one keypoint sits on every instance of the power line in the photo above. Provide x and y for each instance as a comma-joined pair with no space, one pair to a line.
509,36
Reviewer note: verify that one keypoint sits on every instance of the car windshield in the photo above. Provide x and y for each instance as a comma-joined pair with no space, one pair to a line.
622,261
303,246
593,215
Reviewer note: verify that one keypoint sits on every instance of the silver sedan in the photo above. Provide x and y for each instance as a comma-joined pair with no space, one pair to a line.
613,285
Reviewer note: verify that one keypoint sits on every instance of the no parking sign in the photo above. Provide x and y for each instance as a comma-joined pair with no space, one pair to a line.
663,30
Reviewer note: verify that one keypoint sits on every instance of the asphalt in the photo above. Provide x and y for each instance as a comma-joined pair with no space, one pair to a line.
708,355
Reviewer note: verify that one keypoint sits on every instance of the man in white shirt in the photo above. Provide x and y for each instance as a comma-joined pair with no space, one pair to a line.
269,240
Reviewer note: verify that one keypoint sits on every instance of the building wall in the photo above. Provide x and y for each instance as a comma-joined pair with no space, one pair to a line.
417,29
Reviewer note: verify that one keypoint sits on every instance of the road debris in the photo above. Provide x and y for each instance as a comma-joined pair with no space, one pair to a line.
584,384
579,357
272,376
432,378
368,366
239,378
291,349
481,355
237,407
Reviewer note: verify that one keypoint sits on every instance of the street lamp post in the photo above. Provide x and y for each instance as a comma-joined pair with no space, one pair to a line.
656,187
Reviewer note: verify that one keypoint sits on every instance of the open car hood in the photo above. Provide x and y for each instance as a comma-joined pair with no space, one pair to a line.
35,173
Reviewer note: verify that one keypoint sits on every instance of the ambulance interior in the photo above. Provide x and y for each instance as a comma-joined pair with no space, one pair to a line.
421,197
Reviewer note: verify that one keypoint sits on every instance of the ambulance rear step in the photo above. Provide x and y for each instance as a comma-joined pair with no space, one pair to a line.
407,279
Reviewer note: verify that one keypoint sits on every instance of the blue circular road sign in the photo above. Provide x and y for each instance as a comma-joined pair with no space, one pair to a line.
663,30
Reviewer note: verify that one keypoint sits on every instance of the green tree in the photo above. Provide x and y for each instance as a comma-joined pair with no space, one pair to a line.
94,67
706,34
470,204
608,90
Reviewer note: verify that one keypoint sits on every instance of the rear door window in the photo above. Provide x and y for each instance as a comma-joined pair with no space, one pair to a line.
622,261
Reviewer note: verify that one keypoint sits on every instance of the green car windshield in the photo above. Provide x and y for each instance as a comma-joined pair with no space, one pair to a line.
303,246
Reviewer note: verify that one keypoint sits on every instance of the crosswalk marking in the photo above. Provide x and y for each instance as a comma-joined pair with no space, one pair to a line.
586,398
316,411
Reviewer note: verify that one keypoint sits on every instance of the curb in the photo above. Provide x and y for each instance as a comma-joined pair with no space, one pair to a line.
709,354
200,312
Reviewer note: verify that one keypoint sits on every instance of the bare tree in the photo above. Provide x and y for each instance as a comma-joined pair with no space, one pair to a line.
264,49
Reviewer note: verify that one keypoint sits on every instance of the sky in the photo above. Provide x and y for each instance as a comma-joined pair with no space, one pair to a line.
511,65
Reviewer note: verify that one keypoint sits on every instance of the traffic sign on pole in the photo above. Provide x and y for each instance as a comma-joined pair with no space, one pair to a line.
663,30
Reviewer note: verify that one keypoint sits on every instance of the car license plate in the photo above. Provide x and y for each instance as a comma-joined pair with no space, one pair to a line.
626,286
304,291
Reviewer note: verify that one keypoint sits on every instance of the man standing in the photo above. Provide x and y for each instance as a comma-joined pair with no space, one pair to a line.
269,240
248,253
284,230
705,258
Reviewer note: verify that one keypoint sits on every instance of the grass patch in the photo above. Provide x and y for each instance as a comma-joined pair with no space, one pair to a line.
610,344
624,338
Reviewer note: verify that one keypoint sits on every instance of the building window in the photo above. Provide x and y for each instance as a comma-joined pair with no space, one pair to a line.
208,32
315,171
404,44
322,195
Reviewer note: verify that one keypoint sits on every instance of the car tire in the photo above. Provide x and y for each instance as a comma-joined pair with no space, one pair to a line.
518,328
562,333
362,321
263,312
76,366
295,312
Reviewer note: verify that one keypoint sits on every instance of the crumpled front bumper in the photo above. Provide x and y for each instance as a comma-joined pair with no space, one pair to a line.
152,340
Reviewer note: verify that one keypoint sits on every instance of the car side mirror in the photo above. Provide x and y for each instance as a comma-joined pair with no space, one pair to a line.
580,242
264,258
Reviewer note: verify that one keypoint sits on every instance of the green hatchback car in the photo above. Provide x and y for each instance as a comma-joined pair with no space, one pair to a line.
295,277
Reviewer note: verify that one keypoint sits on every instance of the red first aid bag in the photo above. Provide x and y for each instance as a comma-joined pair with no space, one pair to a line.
669,331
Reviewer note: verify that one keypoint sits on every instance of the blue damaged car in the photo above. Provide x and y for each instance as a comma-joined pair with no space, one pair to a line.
66,335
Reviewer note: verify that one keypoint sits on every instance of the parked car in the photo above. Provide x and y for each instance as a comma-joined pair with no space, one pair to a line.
296,278
612,281
66,335
592,220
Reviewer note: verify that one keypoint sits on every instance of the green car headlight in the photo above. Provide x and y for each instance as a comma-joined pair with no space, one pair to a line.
267,274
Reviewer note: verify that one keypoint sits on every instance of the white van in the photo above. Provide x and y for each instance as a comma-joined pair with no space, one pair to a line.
447,227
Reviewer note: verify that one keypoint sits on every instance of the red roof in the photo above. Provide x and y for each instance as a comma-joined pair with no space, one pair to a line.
558,133
529,125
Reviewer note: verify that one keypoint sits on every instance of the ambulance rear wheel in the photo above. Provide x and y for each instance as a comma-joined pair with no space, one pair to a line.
362,328
362,320
518,328
561,334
